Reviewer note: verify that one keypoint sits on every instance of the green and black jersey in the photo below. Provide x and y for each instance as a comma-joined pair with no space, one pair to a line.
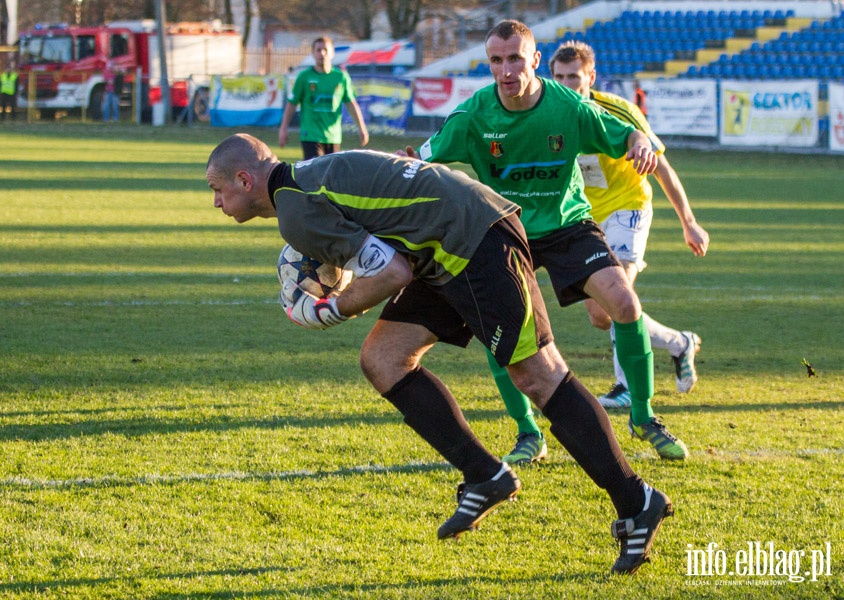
327,207
529,157
321,97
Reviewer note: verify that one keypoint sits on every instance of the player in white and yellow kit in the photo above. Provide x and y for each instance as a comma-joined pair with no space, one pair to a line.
621,202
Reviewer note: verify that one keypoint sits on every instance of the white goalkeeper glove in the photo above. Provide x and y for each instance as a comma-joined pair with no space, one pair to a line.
307,310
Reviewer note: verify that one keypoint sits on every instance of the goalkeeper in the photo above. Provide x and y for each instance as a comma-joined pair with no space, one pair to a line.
452,257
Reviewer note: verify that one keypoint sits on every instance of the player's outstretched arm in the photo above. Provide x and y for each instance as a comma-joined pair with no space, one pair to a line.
696,236
286,117
354,110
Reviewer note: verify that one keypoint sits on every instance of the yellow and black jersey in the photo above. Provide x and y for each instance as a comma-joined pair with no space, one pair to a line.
612,183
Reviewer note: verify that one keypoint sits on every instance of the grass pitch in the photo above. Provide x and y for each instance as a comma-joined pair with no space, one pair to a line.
166,433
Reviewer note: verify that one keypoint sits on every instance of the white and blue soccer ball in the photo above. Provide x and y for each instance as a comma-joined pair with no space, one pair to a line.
309,274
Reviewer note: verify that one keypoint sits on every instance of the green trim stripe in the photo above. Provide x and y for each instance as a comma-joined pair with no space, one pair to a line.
526,346
369,203
450,262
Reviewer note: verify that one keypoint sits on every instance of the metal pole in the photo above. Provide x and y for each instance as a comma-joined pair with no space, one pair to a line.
137,87
161,22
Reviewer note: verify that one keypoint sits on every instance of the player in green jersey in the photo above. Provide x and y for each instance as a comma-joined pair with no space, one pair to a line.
453,259
522,136
621,202
321,91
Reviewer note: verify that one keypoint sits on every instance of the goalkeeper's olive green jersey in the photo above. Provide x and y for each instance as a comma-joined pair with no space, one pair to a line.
328,206
529,156
612,183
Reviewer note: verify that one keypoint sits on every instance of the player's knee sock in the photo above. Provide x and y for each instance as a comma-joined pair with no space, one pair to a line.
517,404
584,429
432,412
637,359
664,337
616,366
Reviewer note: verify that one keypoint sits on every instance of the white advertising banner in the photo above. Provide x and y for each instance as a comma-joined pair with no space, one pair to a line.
438,97
769,113
682,106
246,100
836,116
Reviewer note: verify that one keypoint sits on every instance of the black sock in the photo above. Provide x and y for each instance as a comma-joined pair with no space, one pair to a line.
584,429
431,411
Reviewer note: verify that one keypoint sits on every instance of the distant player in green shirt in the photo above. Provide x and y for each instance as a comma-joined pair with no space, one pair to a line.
321,91
522,136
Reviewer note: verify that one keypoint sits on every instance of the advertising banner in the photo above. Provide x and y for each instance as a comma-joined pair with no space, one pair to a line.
384,102
248,100
836,116
682,106
438,97
769,113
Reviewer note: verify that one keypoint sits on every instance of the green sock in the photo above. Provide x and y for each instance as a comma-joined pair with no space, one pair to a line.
517,404
633,347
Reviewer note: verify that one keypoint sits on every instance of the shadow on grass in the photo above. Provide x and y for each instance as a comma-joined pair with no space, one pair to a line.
140,426
192,422
116,184
59,584
745,407
316,590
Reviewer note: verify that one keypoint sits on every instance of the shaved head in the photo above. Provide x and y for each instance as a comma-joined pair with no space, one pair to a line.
240,152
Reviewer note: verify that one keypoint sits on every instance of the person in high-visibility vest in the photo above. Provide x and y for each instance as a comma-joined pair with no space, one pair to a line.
8,89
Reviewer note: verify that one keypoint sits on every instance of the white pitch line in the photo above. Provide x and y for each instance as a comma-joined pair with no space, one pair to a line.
72,274
116,303
141,303
154,479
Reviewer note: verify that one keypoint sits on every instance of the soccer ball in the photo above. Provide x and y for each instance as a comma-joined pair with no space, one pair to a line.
311,275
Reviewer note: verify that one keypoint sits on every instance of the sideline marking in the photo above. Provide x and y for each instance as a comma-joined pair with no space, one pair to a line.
117,481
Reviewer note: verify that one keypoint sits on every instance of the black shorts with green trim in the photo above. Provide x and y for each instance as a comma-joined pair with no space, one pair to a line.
571,255
495,299
314,149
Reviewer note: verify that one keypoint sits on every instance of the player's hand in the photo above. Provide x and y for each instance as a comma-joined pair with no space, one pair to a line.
644,158
309,311
282,137
408,151
697,239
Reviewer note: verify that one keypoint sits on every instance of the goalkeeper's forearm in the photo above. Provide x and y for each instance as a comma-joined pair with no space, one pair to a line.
365,292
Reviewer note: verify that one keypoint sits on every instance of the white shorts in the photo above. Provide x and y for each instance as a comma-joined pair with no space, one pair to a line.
627,234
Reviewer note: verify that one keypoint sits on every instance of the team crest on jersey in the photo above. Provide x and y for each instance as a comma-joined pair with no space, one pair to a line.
496,150
556,143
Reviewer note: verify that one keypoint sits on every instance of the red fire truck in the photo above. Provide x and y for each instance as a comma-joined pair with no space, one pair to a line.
67,63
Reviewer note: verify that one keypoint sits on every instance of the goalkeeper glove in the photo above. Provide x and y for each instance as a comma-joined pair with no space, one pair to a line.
309,311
